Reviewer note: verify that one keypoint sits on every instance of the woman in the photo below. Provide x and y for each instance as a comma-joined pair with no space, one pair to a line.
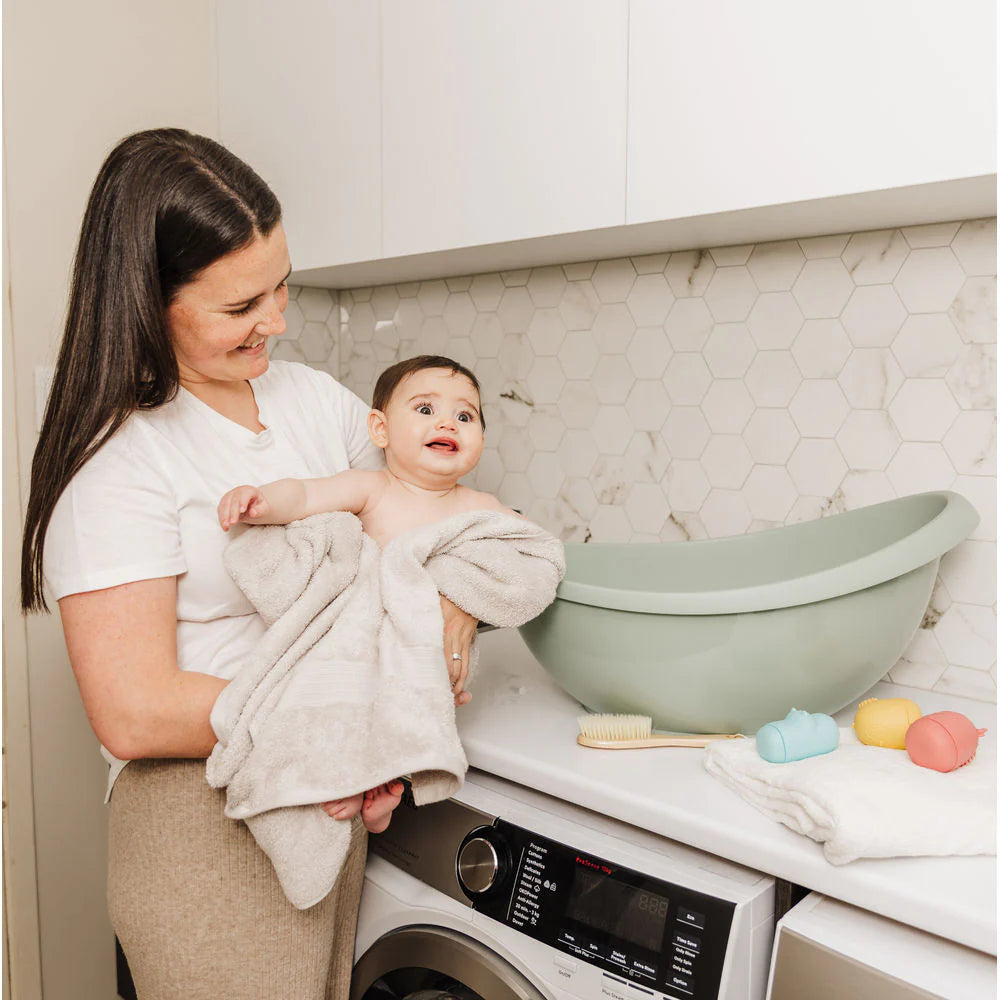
163,397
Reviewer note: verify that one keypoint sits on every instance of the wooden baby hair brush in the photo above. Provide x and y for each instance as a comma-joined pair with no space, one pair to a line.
635,732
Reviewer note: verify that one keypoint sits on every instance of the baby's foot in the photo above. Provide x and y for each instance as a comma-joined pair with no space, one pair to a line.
344,808
379,804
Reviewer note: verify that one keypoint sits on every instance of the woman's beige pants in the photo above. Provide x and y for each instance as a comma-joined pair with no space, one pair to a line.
198,908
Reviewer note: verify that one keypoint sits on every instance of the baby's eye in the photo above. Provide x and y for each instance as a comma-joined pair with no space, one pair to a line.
424,408
465,417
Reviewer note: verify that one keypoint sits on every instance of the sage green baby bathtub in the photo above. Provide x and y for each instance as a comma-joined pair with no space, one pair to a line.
725,634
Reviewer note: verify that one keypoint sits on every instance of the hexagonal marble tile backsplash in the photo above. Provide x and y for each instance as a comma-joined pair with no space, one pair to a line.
714,392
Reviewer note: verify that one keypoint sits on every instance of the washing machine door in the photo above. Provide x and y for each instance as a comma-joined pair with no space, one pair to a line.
435,963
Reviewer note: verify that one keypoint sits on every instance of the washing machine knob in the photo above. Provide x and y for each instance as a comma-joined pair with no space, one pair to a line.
478,865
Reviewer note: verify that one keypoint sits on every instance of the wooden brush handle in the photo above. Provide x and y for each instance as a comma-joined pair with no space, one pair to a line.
701,740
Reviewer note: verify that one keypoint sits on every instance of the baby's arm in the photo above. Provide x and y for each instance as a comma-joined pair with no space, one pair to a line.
291,499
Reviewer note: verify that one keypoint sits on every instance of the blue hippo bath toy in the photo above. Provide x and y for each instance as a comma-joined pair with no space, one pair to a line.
797,736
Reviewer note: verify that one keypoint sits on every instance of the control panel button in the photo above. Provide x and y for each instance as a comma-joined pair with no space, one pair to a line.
678,982
683,962
612,991
565,963
689,941
686,916
641,968
478,865
576,944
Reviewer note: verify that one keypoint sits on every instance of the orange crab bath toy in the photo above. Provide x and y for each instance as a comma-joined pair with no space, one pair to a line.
943,741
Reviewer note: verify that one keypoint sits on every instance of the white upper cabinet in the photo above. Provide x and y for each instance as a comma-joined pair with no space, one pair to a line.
299,100
417,138
735,105
501,120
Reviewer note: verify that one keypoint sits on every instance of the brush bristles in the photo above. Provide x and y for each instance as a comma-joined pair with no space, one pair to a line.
615,727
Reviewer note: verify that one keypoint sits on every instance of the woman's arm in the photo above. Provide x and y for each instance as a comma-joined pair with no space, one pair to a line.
122,644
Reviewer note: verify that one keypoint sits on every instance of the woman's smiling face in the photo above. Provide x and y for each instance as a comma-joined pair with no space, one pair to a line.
220,322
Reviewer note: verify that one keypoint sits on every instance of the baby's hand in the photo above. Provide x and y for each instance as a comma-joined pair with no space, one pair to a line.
245,503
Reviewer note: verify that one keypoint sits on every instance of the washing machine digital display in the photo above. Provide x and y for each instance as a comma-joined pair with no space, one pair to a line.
605,904
645,930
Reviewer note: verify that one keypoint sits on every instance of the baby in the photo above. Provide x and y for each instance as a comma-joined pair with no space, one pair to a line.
426,415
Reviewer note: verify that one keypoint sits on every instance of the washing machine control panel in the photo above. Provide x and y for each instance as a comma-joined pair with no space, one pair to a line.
655,934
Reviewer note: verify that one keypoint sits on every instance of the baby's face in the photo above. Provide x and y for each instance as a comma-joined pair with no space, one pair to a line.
432,426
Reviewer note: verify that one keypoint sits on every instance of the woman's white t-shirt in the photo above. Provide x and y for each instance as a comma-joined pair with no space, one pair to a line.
145,505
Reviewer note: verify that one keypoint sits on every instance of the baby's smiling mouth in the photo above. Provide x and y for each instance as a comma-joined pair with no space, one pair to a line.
443,444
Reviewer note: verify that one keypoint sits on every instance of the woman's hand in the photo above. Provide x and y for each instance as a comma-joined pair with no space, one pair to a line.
459,631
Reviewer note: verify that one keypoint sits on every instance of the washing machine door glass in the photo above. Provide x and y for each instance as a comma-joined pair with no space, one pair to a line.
434,963
453,992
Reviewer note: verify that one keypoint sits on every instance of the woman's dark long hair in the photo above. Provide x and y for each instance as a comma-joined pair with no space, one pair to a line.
165,205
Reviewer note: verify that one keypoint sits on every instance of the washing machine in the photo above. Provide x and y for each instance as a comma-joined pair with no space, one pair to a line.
503,893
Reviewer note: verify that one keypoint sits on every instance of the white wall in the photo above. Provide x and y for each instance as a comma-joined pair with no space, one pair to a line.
715,391
77,77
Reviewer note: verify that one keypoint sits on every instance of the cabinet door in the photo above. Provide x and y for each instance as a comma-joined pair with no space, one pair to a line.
501,121
734,105
299,100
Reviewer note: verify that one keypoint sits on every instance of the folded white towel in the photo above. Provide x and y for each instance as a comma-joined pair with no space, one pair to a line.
867,802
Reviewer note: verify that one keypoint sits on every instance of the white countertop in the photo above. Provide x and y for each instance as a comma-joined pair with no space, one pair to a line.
522,727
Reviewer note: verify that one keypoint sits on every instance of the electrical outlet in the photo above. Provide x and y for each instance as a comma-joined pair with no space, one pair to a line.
43,383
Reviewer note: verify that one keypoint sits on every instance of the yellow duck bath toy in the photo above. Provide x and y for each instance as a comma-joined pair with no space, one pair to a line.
882,722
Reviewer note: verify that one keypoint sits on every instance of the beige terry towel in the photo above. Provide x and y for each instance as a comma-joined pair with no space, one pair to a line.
348,687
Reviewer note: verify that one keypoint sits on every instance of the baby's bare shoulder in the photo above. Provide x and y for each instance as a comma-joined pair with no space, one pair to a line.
369,480
362,475
377,477
373,482
478,500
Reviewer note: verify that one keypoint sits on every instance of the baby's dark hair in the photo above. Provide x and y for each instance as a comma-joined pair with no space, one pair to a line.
394,374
